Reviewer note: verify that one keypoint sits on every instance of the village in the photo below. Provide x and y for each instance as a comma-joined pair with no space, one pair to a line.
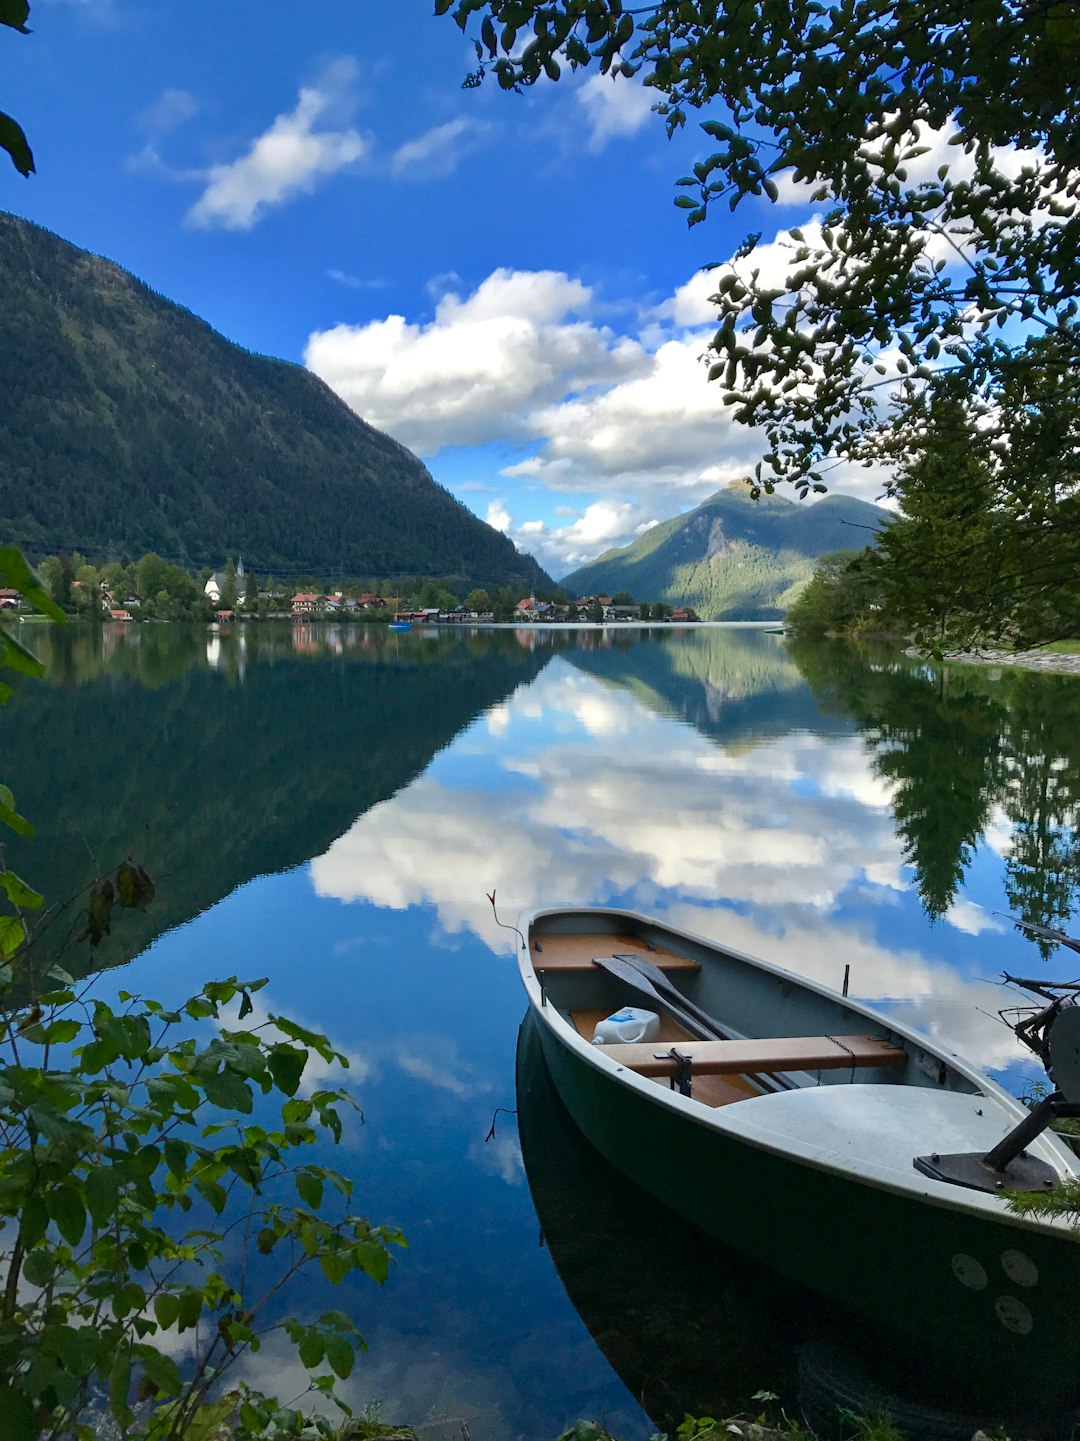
231,596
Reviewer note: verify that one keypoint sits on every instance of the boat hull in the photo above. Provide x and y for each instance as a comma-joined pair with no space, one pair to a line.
984,1293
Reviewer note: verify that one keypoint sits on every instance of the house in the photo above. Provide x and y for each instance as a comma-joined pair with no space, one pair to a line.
224,615
215,586
308,603
370,601
120,615
9,599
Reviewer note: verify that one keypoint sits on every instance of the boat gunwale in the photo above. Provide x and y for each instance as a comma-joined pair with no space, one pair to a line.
727,1120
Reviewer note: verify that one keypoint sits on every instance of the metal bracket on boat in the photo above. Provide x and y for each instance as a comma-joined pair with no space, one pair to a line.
1007,1166
541,976
682,1079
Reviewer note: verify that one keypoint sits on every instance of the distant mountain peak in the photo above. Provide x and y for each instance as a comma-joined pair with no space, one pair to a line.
733,557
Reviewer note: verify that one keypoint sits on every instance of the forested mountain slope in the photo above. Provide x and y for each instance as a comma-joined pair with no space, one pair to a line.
129,425
732,558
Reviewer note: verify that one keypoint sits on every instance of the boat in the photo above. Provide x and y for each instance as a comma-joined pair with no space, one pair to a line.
401,625
850,1153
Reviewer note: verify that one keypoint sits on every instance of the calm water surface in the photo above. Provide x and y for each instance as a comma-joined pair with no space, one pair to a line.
327,807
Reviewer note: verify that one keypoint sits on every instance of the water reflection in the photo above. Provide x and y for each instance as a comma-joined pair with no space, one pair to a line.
972,755
216,757
798,805
690,1326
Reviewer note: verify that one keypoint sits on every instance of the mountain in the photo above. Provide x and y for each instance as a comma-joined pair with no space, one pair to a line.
732,558
130,425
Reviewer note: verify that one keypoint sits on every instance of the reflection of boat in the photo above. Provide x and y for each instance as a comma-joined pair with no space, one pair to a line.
689,1324
805,1137
401,625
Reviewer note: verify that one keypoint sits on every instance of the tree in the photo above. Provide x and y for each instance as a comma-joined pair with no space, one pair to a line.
478,600
918,270
228,598
595,612
151,573
15,13
623,598
987,542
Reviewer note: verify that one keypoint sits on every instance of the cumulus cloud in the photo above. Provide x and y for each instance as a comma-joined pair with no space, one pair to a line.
475,371
626,419
438,151
288,159
602,525
614,107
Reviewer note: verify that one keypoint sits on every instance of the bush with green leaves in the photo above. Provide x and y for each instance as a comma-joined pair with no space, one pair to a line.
153,1206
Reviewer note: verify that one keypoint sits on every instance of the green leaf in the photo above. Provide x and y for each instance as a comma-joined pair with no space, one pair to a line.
229,1091
15,13
12,935
340,1354
18,892
189,1307
69,1213
286,1065
38,1268
16,574
58,1033
312,1350
101,1189
9,816
162,1370
166,1309
119,1386
309,1188
20,1420
335,1266
16,144
34,1221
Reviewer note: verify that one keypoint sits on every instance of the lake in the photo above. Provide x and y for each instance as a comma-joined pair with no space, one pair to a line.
328,807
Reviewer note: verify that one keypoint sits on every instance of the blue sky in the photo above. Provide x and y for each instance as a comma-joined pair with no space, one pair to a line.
501,282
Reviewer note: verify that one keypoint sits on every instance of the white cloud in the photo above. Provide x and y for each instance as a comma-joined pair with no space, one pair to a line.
498,517
614,107
782,830
438,151
288,159
476,370
971,918
169,111
603,525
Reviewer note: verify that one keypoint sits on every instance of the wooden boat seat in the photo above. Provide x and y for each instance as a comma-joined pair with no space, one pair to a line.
762,1057
576,953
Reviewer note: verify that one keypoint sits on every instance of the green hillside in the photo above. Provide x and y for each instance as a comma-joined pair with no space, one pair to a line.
129,425
732,558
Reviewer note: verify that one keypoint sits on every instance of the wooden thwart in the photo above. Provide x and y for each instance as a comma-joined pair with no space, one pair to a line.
576,953
737,1058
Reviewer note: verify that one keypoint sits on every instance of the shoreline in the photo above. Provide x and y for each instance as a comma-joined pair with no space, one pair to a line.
1060,663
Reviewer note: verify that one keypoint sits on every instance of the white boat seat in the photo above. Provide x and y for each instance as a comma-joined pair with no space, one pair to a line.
764,1057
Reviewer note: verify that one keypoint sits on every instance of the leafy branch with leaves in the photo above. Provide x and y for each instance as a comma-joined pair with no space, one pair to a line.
14,14
152,1209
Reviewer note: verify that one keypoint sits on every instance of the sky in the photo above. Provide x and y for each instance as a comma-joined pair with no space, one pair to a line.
500,282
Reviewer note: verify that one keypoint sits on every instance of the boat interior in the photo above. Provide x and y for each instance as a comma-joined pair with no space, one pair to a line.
765,1032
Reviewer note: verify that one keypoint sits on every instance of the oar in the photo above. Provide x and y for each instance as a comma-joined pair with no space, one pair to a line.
660,981
675,1006
619,967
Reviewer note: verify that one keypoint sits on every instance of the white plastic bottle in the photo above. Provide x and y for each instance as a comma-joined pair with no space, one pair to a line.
629,1024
